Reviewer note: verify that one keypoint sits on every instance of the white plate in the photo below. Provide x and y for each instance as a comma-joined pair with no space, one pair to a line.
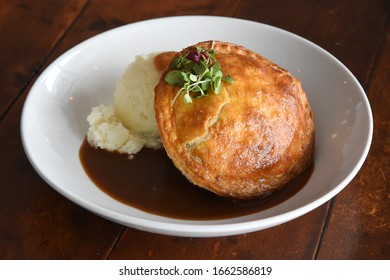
54,123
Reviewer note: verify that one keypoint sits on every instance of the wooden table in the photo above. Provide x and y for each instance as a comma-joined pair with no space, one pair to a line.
38,223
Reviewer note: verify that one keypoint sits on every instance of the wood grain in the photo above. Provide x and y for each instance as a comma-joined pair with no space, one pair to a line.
28,32
38,223
359,227
35,221
293,240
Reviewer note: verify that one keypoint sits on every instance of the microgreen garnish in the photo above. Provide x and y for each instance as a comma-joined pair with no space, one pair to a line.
196,72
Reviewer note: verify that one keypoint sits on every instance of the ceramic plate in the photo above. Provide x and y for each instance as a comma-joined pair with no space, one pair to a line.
54,123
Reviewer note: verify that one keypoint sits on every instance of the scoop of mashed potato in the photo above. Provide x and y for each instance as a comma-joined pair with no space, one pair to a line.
129,124
107,132
134,99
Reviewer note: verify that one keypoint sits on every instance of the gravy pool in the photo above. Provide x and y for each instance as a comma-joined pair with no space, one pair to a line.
150,182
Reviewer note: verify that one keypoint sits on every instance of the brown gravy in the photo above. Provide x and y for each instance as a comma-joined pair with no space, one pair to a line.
151,183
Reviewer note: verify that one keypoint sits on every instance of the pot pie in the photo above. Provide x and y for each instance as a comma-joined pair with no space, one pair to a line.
244,138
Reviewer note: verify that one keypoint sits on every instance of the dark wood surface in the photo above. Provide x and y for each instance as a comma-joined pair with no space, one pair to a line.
38,223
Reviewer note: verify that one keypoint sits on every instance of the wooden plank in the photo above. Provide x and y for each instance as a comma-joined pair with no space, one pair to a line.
35,221
359,227
100,16
28,32
293,240
347,29
351,31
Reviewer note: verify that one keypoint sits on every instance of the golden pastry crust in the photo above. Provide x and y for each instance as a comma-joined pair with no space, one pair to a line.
249,140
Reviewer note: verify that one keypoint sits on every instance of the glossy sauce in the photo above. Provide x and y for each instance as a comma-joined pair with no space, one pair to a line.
150,182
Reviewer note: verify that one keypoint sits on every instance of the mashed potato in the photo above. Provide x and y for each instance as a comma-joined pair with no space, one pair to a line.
129,124
107,132
134,97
